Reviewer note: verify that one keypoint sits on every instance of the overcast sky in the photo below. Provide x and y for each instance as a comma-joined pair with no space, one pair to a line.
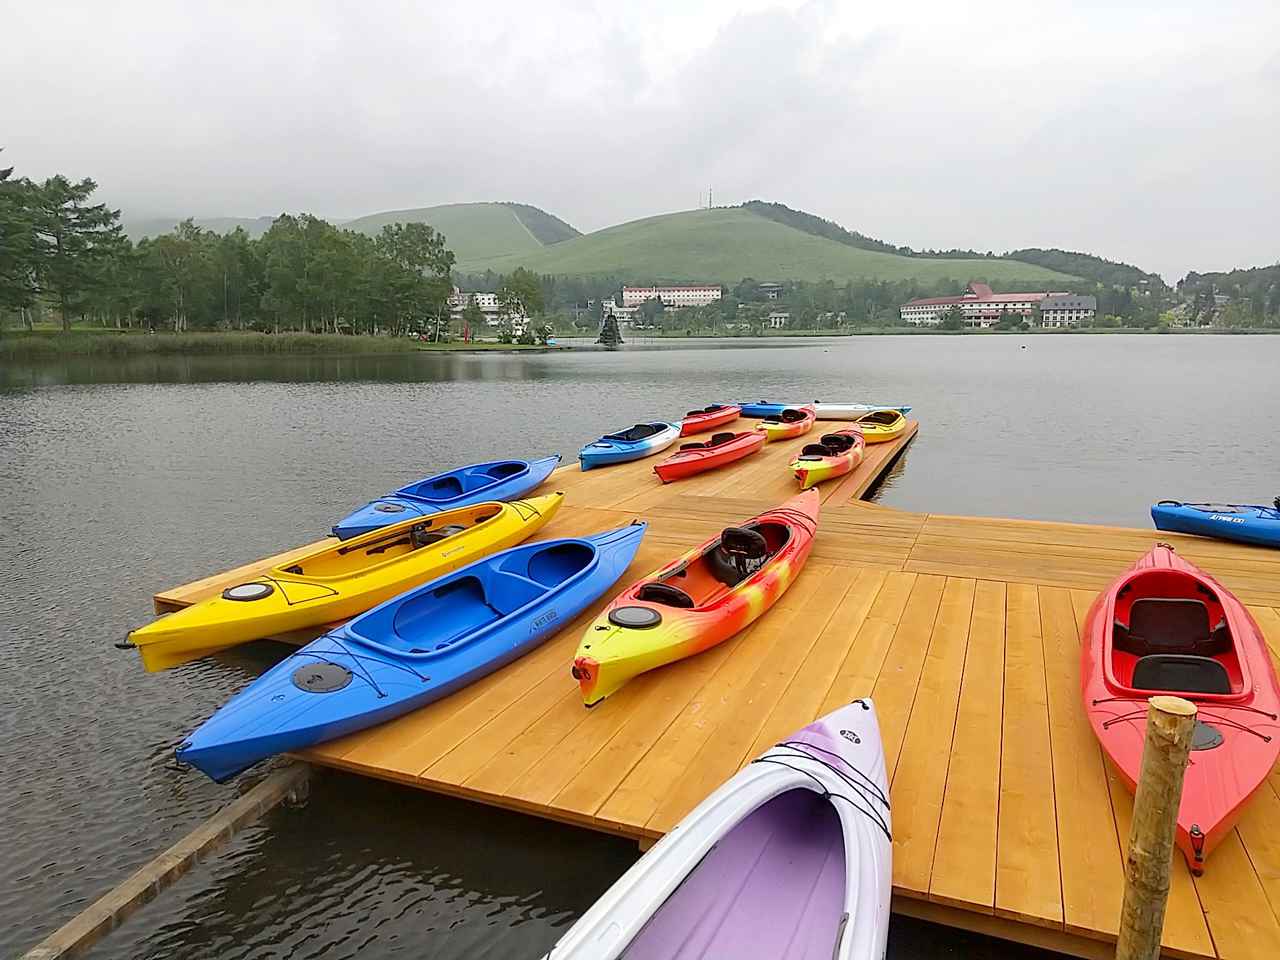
1147,132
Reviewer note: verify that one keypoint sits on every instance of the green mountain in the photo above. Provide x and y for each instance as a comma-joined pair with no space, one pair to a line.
729,243
479,230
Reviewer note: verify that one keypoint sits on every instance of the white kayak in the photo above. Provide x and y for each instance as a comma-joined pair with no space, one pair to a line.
851,411
790,859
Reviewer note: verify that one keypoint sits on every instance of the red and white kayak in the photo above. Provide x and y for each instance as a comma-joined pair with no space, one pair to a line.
721,449
708,418
1167,627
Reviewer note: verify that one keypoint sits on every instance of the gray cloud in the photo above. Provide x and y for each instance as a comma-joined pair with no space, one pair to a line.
1140,131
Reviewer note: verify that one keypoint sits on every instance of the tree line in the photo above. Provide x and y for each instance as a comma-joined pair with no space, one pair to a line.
64,252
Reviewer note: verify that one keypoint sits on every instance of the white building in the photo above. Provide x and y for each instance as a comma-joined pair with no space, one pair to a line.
626,316
1065,310
689,295
979,306
488,304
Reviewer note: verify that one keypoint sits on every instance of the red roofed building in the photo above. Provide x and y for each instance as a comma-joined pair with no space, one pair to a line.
978,304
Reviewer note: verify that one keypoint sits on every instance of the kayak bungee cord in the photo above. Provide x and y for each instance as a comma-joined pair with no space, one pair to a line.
827,794
1216,706
279,585
356,659
1225,721
870,785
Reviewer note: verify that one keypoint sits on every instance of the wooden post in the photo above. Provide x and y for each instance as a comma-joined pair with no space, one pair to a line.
1170,724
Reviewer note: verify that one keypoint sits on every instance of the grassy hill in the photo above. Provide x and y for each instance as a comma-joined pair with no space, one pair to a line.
478,230
727,244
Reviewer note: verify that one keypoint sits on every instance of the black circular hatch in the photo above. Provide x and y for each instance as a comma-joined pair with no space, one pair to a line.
637,618
321,677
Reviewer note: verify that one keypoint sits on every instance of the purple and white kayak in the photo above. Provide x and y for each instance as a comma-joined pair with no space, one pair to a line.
791,858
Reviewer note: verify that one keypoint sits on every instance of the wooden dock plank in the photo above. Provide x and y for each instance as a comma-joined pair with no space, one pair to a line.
1088,850
1186,932
895,689
964,862
921,775
1028,878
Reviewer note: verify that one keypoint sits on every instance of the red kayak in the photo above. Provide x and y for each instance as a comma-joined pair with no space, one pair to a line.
1168,627
708,418
721,449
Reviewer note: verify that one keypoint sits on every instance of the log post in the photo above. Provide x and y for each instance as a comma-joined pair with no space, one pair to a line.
1170,724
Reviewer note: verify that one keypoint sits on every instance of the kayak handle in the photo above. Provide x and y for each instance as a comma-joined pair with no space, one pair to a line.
125,645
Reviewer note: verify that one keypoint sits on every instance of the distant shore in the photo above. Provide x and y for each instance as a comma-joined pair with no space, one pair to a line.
639,335
21,345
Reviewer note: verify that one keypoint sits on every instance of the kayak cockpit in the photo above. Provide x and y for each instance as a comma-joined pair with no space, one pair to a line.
450,486
641,431
433,618
773,886
717,439
711,576
361,553
1170,634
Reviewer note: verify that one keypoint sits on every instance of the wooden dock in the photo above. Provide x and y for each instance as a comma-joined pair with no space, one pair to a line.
1007,819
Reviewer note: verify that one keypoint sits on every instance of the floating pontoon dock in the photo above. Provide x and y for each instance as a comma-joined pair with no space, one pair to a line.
1007,819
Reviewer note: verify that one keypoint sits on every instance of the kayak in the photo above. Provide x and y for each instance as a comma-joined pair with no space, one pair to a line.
411,650
835,455
339,580
642,440
480,482
825,411
880,426
851,411
790,423
699,599
721,449
1166,626
1246,523
791,859
708,418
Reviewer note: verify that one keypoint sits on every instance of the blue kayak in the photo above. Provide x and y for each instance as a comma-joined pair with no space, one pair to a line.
464,487
411,650
825,411
1246,523
631,444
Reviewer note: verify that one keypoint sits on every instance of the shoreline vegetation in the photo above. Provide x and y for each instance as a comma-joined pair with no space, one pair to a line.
110,343
26,345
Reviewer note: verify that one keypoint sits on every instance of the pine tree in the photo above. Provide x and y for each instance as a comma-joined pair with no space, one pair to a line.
72,242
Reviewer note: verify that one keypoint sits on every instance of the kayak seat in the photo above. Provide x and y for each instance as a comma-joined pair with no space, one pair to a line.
1180,673
817,450
421,537
837,442
740,553
666,595
719,438
695,445
1170,625
791,416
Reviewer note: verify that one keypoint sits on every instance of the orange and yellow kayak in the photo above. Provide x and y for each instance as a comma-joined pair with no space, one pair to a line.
792,422
834,455
880,426
698,600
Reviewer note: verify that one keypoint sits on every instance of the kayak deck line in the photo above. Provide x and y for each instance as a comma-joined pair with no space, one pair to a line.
966,633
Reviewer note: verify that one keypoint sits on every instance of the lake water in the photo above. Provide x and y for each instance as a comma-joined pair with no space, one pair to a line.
118,478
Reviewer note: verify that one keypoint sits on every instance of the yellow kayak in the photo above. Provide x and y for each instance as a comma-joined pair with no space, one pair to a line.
341,579
880,426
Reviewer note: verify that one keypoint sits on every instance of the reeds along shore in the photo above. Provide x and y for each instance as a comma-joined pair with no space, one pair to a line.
36,346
